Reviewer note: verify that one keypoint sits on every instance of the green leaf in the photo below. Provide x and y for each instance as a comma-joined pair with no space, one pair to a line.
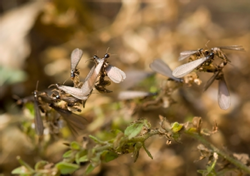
21,171
146,124
210,169
107,156
89,169
133,130
96,140
66,168
74,145
83,159
95,158
149,154
80,156
67,154
176,127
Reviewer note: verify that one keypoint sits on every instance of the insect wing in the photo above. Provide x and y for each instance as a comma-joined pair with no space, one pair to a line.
75,58
223,94
161,67
86,89
188,67
210,81
115,74
38,119
75,92
75,122
89,83
133,77
90,73
187,54
233,47
126,95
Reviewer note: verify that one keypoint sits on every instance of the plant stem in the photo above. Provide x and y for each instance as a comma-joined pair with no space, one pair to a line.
219,152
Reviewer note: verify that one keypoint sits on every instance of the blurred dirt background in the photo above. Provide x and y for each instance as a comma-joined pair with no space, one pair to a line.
37,37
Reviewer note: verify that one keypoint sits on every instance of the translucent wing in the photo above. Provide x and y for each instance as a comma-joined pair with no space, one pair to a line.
161,67
210,81
187,54
90,73
75,58
75,92
92,77
115,74
188,67
126,95
133,77
75,122
233,47
223,94
38,119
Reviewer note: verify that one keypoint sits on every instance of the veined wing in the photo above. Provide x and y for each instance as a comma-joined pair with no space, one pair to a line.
75,58
233,47
161,67
210,81
223,94
38,119
115,74
186,54
188,67
75,122
126,95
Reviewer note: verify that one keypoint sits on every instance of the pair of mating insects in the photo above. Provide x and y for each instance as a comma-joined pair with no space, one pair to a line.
72,97
203,60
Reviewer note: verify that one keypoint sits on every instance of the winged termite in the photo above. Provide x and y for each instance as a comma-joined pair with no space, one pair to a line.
87,87
126,95
39,127
161,67
115,74
75,59
190,66
75,122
